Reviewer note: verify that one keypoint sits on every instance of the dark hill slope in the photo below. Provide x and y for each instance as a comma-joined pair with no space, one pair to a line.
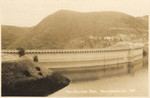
57,30
11,34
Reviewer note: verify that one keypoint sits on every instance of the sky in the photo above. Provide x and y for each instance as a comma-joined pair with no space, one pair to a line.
28,13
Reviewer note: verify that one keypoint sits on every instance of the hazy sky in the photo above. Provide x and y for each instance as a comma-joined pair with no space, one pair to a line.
31,12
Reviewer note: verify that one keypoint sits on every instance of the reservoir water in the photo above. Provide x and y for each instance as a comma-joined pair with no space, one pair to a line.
111,81
124,85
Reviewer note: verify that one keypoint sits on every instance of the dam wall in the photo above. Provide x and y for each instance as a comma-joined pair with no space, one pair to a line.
88,64
83,57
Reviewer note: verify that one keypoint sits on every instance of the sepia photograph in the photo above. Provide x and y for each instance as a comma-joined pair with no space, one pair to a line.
74,48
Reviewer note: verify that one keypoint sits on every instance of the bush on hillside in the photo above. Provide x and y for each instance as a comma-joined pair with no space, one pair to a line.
21,51
35,59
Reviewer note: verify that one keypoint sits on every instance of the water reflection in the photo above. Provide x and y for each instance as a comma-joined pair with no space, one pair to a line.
135,84
81,74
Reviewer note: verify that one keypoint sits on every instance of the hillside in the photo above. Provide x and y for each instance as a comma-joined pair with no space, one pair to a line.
11,34
23,77
69,29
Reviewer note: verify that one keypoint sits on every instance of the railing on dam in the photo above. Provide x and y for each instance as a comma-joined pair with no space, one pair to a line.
33,51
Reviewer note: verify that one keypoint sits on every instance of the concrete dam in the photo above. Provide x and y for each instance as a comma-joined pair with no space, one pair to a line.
85,64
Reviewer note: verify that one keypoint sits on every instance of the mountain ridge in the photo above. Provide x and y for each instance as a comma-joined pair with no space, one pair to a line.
57,30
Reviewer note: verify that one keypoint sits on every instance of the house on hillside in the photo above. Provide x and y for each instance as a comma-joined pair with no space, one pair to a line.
109,38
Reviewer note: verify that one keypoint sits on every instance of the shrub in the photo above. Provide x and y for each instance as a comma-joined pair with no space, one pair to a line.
21,52
35,59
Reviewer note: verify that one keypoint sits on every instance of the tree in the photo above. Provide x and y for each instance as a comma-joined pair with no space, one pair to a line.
35,59
21,52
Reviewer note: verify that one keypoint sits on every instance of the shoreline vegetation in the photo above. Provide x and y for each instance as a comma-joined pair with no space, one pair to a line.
25,78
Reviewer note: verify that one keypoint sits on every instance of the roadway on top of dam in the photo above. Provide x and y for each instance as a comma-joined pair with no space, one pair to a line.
121,46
